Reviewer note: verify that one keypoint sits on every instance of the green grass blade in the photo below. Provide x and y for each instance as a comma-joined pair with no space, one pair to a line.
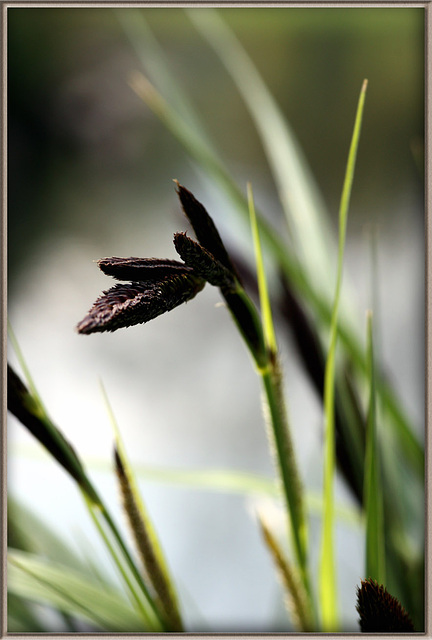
26,371
302,204
70,591
152,57
282,448
375,546
144,533
21,618
266,313
327,578
296,598
271,376
138,592
27,532
236,482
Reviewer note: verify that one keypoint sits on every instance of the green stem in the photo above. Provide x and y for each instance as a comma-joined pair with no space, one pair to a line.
155,616
150,616
248,321
292,488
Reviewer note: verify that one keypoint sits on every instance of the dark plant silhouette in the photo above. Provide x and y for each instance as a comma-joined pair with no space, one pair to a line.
159,285
379,611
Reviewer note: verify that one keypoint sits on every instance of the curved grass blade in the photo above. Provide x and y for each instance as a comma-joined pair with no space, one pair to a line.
327,578
271,376
144,533
302,204
375,546
152,57
266,313
72,592
221,480
296,598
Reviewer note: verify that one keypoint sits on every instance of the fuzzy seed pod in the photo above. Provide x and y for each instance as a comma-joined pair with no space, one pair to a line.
203,262
379,611
125,305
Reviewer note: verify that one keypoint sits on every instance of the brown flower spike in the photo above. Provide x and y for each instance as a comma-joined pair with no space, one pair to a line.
379,611
147,296
159,285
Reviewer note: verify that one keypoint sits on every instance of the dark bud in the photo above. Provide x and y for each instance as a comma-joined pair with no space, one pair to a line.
126,305
204,227
141,269
203,262
379,611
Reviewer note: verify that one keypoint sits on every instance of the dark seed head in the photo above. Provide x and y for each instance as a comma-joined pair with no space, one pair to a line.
203,263
125,305
204,227
379,611
141,269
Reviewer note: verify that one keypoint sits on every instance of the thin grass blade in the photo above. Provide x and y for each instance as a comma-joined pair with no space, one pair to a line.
327,578
72,592
152,57
375,545
279,430
26,371
248,485
21,616
144,533
266,313
296,598
27,532
302,204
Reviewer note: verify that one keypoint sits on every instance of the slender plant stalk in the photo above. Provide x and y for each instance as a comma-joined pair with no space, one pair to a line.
144,533
375,541
272,381
297,601
289,476
149,615
328,564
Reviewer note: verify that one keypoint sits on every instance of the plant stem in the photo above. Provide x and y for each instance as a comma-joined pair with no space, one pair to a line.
292,488
266,361
148,613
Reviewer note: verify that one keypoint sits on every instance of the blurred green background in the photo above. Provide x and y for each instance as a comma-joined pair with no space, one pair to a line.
89,175
75,123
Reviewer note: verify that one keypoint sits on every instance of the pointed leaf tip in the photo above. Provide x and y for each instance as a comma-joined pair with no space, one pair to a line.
204,227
